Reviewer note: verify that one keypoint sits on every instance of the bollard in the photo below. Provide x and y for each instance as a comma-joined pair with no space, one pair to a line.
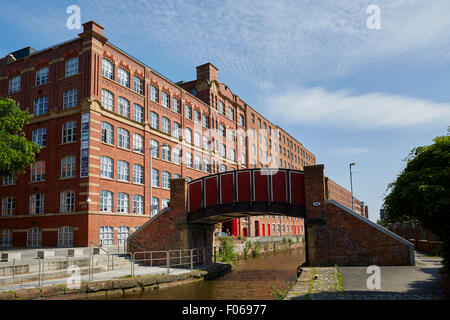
168,262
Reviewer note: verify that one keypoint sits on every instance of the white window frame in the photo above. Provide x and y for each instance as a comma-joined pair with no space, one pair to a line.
42,76
68,167
106,201
108,100
39,136
71,66
123,171
107,69
123,138
40,106
123,202
106,167
37,202
67,201
65,236
138,204
14,84
8,206
69,132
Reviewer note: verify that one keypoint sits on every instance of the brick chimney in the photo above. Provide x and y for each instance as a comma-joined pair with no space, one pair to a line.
207,72
93,29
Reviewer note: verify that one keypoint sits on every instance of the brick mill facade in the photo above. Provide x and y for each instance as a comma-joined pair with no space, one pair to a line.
98,115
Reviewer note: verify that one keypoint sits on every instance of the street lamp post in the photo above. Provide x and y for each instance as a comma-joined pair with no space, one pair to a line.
351,185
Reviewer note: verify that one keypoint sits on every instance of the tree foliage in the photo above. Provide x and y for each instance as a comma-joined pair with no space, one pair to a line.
421,191
17,153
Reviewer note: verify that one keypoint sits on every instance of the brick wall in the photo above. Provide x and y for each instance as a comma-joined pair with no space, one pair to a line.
337,235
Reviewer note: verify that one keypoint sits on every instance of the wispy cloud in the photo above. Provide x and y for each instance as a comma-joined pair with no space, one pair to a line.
342,109
256,40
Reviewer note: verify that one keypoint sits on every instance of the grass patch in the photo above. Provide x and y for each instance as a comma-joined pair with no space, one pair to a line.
279,294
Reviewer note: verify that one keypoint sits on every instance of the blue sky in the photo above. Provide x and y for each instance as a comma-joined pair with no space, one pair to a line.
346,92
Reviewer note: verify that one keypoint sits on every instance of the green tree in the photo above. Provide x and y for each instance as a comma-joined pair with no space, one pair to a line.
16,152
421,192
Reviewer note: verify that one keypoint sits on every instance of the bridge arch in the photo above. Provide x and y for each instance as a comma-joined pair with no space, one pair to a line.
235,194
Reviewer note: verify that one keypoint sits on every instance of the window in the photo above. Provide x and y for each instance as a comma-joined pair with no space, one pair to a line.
223,151
42,76
65,237
123,77
138,204
122,202
106,167
107,100
138,113
154,92
138,174
155,148
165,99
124,107
176,130
14,84
138,85
230,113
188,134
155,177
223,168
197,139
154,120
138,143
187,112
188,179
205,121
107,69
123,170
197,116
155,206
176,156
38,171
198,163
122,234
165,203
206,143
241,120
71,66
165,180
165,152
34,237
106,201
165,125
5,238
188,159
68,167
176,105
221,108
231,154
123,138
40,136
176,176
8,206
70,98
106,236
9,181
69,132
107,133
206,167
222,130
67,201
40,106
37,203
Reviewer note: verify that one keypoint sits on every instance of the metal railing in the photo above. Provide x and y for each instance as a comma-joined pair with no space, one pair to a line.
41,269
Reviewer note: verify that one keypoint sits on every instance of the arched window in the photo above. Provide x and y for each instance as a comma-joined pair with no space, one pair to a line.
165,152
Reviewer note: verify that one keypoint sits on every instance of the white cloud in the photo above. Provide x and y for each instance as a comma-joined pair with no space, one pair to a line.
342,109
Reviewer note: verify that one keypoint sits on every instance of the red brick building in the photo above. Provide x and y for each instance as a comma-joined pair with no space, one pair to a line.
98,113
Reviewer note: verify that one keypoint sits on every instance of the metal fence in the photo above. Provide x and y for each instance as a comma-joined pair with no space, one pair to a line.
100,262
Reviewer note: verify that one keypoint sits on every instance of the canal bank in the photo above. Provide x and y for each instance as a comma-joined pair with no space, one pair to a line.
117,287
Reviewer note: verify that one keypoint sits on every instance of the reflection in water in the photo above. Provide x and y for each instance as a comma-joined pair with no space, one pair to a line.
251,279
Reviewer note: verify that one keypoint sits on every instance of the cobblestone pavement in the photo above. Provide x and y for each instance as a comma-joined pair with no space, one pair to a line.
420,282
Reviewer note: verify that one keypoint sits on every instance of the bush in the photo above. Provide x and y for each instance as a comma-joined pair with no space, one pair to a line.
228,253
247,247
256,248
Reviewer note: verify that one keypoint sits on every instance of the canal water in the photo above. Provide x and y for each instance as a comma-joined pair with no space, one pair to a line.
252,278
